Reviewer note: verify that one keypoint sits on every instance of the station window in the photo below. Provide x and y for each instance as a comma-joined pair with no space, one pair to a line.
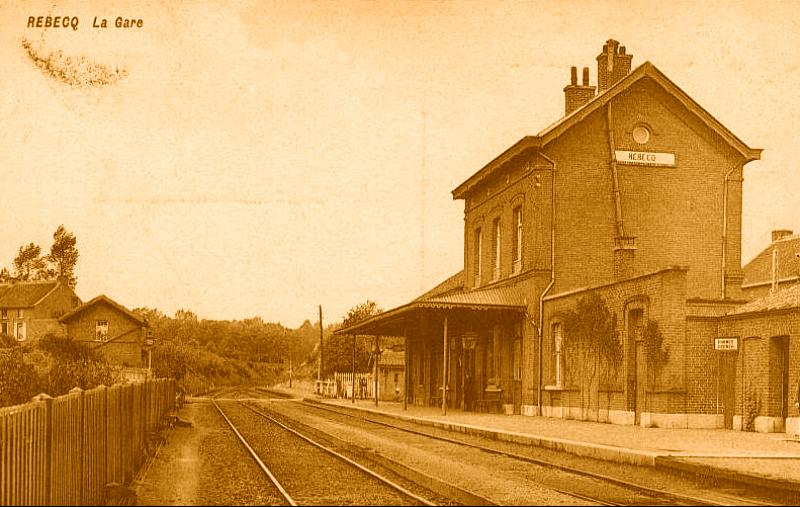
557,332
496,249
516,246
476,255
641,134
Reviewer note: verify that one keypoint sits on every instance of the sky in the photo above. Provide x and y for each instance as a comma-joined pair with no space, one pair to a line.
245,159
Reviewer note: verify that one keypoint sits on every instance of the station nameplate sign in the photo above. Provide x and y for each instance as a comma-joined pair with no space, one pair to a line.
726,344
645,158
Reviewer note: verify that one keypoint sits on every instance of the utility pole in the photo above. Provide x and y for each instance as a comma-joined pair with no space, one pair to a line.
354,369
377,355
321,350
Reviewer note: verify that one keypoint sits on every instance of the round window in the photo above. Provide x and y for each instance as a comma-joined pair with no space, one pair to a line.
641,134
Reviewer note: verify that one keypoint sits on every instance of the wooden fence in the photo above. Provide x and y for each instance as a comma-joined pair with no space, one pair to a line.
65,450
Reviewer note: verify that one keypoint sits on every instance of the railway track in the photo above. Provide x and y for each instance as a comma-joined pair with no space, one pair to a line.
603,489
305,471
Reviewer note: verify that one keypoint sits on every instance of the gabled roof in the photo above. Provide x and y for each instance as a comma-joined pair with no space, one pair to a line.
103,298
783,299
645,70
25,294
759,270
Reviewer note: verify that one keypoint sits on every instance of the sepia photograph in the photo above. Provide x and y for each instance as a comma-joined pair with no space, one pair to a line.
400,252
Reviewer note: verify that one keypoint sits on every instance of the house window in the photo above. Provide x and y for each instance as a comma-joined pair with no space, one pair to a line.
101,330
516,247
19,313
396,378
496,249
4,328
4,314
557,331
20,332
476,255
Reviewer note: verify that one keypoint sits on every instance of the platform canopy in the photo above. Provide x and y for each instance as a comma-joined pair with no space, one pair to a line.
396,322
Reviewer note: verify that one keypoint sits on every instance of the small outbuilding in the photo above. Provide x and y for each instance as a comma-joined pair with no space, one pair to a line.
110,329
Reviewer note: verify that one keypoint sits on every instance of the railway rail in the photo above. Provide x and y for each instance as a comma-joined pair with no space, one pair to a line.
638,493
294,474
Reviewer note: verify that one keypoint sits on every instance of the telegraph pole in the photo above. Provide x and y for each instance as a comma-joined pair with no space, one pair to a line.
377,355
321,350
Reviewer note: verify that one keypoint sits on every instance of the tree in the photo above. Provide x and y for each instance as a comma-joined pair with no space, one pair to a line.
361,312
29,263
64,255
339,348
5,276
592,347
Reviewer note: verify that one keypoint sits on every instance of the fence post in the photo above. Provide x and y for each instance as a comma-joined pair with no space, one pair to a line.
81,446
104,417
48,449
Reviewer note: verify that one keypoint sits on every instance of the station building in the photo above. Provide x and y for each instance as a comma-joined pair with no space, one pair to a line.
635,196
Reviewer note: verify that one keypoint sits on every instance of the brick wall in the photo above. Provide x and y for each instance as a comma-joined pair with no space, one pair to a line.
758,362
662,297
665,208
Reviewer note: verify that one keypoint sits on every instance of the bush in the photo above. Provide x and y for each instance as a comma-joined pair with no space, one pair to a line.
18,379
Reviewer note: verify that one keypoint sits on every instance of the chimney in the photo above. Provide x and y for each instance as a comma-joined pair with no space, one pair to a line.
612,65
576,95
780,234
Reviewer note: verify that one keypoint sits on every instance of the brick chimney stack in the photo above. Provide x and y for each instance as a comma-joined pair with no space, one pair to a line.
612,65
576,95
780,234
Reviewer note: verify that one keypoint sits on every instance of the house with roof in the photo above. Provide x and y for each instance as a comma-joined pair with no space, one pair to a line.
391,372
110,329
635,196
30,310
775,267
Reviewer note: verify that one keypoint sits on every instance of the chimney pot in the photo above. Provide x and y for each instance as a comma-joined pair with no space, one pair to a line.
780,234
586,76
573,75
613,64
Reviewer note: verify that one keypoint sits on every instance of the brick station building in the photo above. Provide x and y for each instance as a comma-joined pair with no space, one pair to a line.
634,195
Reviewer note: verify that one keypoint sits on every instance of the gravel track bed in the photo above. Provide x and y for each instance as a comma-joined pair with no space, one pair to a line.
310,475
501,480
363,456
700,487
205,464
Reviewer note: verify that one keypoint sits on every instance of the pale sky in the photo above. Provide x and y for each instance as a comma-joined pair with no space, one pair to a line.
261,158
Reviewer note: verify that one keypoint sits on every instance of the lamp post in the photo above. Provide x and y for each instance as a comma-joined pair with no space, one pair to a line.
148,343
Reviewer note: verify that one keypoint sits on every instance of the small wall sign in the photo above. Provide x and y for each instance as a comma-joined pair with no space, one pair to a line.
726,344
645,158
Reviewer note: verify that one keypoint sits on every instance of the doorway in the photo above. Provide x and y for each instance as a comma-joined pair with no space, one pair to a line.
637,363
727,378
779,379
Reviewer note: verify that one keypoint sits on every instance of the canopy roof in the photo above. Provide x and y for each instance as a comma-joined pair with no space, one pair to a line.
395,321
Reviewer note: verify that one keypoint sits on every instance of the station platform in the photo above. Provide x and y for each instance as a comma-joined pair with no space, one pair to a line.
766,459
